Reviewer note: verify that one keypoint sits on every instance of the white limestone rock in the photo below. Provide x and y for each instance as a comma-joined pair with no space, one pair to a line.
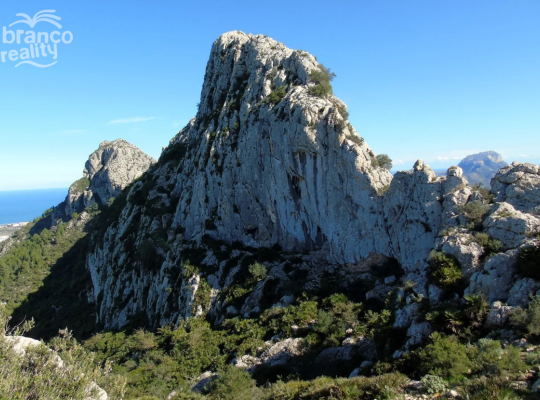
497,277
519,185
510,226
466,250
521,292
113,166
498,315
417,334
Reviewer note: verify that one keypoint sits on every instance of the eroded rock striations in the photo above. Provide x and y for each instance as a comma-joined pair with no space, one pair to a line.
270,164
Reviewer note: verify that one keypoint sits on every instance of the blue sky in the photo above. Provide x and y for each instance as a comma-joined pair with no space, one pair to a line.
435,80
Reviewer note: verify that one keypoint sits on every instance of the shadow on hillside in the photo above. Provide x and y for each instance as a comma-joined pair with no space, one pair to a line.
61,301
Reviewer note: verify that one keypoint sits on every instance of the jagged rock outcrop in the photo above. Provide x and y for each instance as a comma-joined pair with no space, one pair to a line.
481,167
109,169
518,184
267,165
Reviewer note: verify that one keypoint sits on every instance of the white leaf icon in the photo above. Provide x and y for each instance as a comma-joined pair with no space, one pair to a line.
42,16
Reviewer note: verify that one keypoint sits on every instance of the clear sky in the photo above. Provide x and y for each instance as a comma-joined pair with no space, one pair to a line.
435,80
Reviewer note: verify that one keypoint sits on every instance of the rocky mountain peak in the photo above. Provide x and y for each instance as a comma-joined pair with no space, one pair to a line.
482,167
109,169
269,148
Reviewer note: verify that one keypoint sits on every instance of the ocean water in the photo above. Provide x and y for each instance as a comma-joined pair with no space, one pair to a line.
25,205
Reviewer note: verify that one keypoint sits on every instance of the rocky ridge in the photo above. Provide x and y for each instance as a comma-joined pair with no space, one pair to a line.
268,167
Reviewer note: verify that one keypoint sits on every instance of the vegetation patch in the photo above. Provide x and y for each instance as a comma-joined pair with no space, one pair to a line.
321,78
475,212
381,161
79,186
445,270
277,95
528,262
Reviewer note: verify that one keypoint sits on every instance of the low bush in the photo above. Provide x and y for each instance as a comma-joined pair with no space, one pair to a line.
474,211
434,384
484,191
321,77
445,270
385,386
446,357
476,309
78,187
277,95
488,388
233,384
528,319
382,161
528,262
258,272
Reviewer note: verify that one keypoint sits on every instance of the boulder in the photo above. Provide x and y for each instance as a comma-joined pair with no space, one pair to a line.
521,292
498,315
497,277
510,226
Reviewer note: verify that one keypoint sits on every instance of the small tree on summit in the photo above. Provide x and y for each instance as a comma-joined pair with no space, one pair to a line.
383,161
321,77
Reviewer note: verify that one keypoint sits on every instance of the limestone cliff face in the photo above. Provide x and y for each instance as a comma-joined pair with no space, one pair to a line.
266,163
293,172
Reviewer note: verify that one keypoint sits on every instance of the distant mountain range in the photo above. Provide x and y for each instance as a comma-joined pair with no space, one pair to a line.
482,167
479,167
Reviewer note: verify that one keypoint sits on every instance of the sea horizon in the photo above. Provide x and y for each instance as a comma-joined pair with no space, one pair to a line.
26,205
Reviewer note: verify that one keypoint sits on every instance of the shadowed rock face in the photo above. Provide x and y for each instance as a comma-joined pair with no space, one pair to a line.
481,167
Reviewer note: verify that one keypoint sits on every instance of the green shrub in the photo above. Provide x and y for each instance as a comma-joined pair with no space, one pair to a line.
321,77
277,95
528,262
494,246
482,238
175,153
385,386
474,211
476,309
78,187
446,357
233,384
484,388
490,359
484,191
434,384
258,272
382,161
343,111
445,270
355,139
528,320
491,246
